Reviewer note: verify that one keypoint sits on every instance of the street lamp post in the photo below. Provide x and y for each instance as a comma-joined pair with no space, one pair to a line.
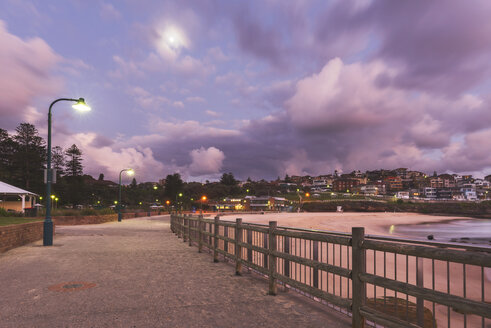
203,199
48,223
180,195
130,172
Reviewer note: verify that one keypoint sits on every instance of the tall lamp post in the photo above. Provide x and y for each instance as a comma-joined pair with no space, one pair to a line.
130,172
48,223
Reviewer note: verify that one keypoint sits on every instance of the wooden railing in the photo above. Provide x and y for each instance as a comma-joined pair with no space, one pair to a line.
419,283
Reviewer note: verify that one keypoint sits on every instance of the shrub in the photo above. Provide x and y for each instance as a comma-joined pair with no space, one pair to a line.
88,211
5,213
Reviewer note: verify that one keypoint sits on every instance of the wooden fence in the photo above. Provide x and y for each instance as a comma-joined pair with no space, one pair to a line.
377,281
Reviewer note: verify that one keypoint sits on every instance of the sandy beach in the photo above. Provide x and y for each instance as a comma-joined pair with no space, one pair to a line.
436,274
375,223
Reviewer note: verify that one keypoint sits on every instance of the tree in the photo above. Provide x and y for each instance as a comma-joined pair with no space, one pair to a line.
28,157
287,179
74,176
74,164
58,161
228,179
133,183
173,185
7,148
101,177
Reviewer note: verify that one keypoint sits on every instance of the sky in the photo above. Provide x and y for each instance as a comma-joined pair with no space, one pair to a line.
257,88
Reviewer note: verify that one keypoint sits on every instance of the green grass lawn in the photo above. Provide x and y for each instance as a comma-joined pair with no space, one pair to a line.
4,221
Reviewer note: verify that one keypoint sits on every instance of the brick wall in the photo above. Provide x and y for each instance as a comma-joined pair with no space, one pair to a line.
20,234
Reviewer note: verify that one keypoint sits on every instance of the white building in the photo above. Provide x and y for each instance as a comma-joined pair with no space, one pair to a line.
429,192
16,199
469,191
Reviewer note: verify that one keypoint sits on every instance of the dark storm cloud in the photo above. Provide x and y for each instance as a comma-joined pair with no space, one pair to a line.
443,47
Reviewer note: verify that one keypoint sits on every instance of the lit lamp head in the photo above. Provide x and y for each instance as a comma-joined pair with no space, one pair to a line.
81,105
130,172
203,198
180,194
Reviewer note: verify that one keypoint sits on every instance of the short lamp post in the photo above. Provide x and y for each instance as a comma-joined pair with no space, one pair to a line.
180,202
203,199
48,223
129,172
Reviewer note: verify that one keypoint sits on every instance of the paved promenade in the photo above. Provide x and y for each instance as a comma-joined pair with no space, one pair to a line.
138,274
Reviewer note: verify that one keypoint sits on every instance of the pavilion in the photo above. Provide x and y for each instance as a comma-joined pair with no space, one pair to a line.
16,199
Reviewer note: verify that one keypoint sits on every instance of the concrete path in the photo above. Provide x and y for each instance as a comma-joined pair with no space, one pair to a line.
139,274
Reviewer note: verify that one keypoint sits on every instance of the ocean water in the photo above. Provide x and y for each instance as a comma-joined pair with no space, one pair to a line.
472,231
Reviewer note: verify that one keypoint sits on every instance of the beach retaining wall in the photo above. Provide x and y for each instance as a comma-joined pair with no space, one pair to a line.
20,234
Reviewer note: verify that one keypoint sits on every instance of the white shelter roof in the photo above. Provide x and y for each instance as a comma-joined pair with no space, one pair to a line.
6,189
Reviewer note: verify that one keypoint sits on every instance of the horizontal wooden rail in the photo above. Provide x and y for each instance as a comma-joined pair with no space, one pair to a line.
255,228
461,304
315,264
226,254
336,300
227,239
255,267
465,257
254,248
385,319
315,237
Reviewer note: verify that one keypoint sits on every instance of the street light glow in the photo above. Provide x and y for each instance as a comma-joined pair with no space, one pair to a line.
81,105
203,198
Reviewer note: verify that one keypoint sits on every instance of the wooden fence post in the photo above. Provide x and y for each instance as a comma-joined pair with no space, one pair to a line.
178,227
215,241
315,257
210,238
272,258
200,235
238,249
358,266
265,245
190,222
420,307
225,243
286,263
184,230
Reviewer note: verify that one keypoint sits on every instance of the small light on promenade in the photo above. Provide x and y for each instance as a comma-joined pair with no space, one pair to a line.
48,223
203,199
129,172
180,202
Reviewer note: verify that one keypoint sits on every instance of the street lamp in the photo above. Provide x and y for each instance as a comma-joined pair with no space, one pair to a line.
203,199
129,172
48,223
180,195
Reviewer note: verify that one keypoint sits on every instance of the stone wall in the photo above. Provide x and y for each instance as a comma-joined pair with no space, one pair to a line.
20,234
